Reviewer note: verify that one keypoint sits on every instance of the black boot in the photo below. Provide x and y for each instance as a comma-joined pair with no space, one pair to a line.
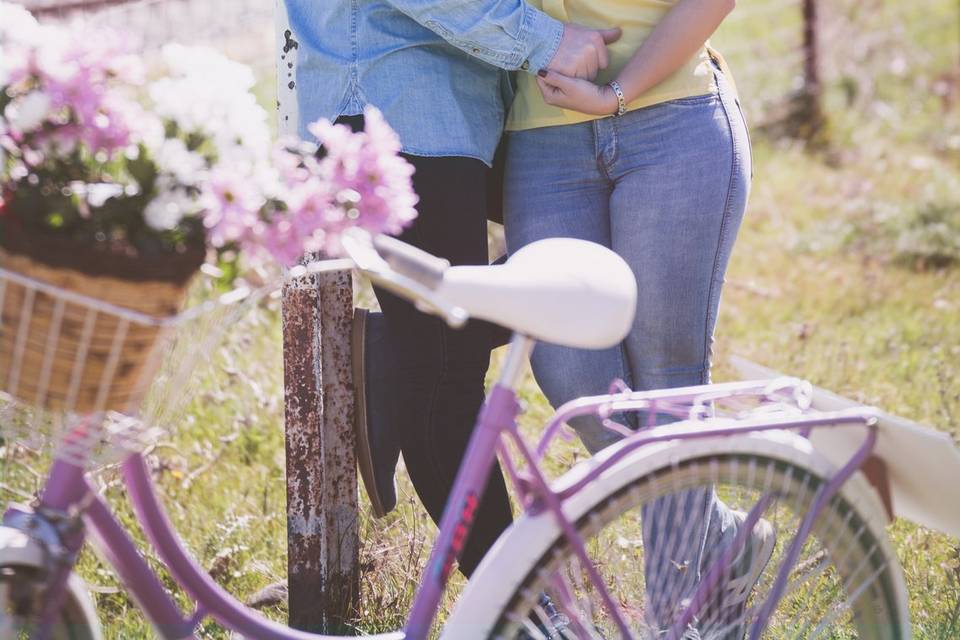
378,441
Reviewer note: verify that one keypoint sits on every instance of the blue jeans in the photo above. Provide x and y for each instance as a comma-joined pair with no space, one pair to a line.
666,188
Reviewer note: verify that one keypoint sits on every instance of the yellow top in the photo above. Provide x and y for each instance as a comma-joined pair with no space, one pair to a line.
637,18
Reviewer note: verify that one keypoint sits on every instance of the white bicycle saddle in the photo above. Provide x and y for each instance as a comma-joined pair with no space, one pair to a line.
561,290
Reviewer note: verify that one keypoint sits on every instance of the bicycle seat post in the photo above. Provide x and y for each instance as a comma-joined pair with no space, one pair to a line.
518,353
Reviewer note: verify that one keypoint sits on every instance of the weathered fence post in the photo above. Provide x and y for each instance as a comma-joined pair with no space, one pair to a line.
322,536
811,103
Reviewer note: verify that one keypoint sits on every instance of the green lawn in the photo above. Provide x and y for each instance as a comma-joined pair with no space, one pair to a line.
846,273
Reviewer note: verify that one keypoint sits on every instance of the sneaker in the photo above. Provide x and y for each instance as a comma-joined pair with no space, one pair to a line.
378,449
748,566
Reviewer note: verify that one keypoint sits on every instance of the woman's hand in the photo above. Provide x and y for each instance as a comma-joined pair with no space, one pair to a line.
578,95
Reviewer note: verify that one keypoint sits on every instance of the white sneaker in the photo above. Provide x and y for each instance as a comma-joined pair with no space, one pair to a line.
748,566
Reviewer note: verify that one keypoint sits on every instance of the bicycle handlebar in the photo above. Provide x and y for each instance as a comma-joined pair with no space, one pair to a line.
398,267
412,262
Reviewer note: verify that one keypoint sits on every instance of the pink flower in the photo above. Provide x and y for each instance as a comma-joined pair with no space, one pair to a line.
232,207
282,241
83,77
370,184
359,181
74,93
114,126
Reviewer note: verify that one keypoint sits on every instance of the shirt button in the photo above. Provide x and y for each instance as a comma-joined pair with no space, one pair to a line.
526,65
476,50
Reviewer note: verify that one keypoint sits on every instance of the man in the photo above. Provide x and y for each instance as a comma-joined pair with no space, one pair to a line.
436,69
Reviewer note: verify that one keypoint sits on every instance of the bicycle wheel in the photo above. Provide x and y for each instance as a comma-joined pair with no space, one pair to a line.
20,598
653,533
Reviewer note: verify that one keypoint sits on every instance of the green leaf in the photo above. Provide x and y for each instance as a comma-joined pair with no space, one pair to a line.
143,170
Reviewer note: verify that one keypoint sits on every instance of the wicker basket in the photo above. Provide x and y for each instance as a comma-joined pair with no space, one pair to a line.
60,352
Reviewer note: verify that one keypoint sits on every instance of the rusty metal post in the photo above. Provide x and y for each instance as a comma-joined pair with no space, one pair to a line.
812,87
322,532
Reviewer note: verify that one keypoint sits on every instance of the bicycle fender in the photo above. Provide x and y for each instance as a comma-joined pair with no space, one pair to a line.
17,548
20,550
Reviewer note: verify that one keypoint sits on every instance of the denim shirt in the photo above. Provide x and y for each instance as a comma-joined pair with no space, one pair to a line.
435,68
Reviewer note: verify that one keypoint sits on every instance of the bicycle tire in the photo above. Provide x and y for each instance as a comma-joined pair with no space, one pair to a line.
522,567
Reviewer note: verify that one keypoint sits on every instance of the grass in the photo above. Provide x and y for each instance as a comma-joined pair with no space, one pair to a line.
844,274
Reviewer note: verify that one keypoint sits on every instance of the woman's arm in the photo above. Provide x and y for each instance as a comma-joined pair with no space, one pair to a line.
677,37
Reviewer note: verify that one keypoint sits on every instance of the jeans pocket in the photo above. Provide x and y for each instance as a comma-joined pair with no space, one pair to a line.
694,101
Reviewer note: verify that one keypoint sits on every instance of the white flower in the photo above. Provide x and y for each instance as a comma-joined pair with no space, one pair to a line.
97,194
208,94
174,158
267,179
17,24
152,134
207,62
167,210
4,67
29,112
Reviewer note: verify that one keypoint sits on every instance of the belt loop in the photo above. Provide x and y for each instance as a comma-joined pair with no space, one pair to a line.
721,68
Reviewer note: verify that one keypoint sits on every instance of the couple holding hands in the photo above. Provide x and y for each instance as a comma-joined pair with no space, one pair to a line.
618,124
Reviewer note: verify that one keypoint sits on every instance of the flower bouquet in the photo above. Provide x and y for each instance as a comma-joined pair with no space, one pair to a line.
118,189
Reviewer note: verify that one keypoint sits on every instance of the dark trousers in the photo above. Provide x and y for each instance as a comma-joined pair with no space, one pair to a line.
438,371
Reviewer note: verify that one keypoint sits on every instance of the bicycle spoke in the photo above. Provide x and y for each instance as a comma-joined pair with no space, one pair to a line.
655,542
829,561
529,627
844,606
569,606
577,573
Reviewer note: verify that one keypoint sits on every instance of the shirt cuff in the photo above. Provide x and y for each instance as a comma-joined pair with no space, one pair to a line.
541,39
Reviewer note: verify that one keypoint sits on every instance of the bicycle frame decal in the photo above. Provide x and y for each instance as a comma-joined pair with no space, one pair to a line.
499,414
459,535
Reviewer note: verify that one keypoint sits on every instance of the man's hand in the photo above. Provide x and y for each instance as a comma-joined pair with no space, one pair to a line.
576,94
583,52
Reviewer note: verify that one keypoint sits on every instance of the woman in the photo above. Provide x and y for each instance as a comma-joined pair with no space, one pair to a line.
434,70
653,161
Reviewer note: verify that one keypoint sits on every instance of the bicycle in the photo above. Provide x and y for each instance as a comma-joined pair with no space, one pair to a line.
576,563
